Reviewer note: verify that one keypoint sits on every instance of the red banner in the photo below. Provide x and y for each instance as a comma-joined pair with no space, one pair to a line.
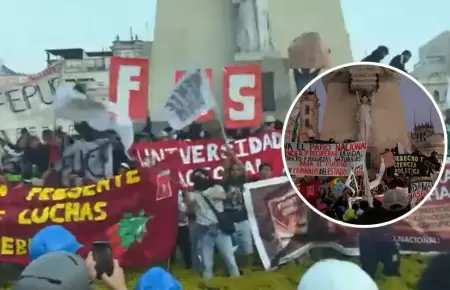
208,116
208,153
128,85
242,96
135,212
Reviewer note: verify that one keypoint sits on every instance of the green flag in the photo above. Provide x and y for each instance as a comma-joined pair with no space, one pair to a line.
296,131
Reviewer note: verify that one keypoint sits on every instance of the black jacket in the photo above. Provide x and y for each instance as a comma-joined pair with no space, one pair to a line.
397,63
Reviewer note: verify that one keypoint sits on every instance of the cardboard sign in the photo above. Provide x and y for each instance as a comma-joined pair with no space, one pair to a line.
128,86
208,116
309,51
407,164
242,98
419,188
389,159
325,159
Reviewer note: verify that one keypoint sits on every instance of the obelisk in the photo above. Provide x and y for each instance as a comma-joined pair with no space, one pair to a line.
202,33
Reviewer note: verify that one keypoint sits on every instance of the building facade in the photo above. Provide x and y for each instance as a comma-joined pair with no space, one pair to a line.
86,67
433,68
309,116
424,138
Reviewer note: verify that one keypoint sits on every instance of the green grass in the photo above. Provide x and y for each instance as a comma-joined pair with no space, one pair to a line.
286,277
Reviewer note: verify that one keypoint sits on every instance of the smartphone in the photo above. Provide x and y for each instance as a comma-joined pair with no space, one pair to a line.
102,254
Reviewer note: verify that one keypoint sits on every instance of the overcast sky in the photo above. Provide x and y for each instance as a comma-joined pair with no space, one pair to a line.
29,27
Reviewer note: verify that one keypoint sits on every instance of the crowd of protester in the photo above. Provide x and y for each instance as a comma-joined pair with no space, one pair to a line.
202,208
388,203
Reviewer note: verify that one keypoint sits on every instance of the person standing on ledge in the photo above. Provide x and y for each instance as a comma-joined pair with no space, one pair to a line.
377,55
400,60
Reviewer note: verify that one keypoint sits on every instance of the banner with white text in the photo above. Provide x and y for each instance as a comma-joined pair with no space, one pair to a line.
209,153
325,159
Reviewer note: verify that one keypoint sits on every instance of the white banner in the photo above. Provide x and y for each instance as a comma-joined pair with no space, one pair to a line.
92,160
28,104
352,183
320,159
190,98
76,106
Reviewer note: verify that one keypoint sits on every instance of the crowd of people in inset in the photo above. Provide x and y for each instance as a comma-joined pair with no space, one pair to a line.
389,202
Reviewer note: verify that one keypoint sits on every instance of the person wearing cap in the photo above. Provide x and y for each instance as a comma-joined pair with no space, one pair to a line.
157,278
331,274
376,245
162,136
269,122
65,271
124,167
52,238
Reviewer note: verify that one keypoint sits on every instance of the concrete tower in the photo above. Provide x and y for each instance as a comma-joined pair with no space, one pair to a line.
202,33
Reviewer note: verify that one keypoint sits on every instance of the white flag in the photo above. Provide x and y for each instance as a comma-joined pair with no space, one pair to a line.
190,98
352,183
377,181
70,104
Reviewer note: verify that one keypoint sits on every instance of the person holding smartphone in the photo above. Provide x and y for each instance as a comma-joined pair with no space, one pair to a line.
64,270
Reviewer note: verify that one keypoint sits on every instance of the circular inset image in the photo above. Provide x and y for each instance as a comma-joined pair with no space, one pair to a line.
364,144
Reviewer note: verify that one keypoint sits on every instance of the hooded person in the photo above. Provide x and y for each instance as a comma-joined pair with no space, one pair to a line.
333,274
54,271
157,278
212,227
377,55
52,238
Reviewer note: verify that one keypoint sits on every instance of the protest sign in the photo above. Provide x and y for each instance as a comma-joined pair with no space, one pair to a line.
208,153
389,159
209,115
337,185
325,159
90,160
29,103
128,86
407,164
432,164
352,183
310,190
127,211
419,188
190,98
278,220
242,96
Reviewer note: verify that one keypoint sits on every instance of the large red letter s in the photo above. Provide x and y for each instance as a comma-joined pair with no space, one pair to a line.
242,103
